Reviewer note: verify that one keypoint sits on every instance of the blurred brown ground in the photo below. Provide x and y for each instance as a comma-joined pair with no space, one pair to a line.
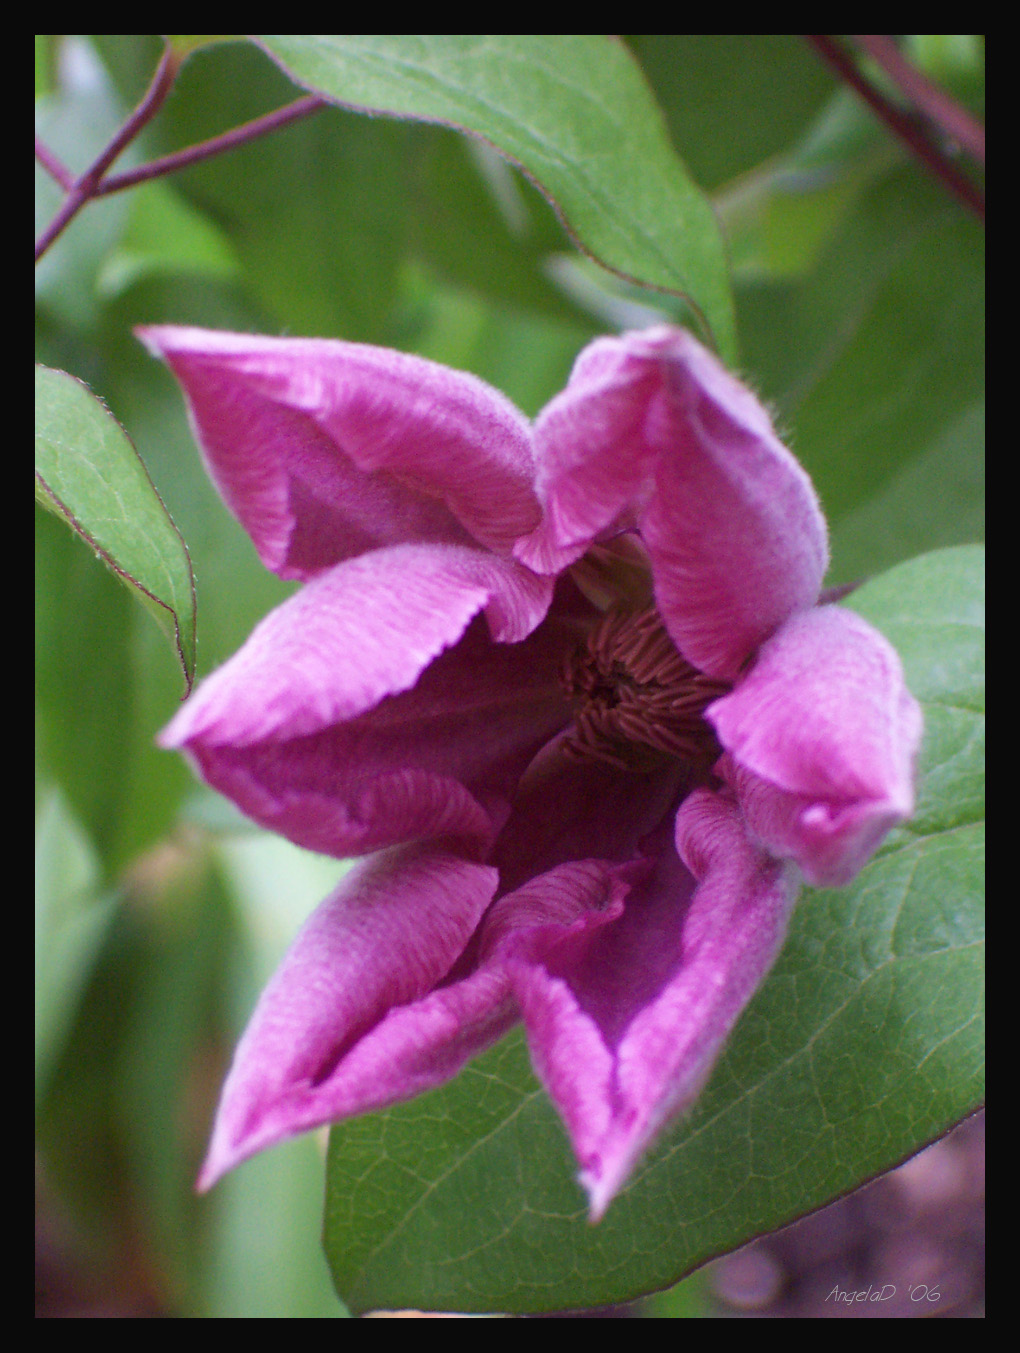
910,1244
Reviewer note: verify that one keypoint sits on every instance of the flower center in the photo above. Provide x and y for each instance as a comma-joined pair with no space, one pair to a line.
636,700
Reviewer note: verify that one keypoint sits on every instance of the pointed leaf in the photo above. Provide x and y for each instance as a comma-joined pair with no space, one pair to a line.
88,472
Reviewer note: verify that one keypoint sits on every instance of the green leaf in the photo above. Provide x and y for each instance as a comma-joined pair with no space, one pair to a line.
864,1044
88,473
104,684
574,112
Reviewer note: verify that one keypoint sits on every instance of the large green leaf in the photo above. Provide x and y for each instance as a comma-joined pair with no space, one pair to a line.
324,215
88,473
573,111
865,1043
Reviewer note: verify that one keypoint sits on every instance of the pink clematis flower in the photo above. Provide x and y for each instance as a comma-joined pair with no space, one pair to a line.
573,688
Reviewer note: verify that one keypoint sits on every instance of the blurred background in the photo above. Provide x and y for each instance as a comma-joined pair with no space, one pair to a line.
160,912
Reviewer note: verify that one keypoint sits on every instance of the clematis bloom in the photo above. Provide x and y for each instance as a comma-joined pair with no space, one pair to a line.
571,687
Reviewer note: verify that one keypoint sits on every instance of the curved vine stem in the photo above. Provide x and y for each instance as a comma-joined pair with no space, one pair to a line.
84,187
247,131
910,126
94,182
957,123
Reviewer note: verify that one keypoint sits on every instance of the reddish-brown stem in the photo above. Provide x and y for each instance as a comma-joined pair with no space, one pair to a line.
84,187
92,182
957,123
152,101
54,166
237,136
906,125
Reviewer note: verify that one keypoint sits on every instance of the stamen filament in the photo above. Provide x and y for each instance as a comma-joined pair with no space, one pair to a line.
638,699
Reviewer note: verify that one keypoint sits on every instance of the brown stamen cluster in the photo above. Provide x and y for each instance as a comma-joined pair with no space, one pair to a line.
637,701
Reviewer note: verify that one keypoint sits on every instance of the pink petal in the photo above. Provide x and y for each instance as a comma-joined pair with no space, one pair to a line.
439,759
630,978
732,932
652,431
365,629
331,1035
324,449
539,935
821,735
592,454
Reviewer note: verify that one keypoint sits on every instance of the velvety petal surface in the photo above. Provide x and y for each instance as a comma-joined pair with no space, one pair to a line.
439,757
325,449
821,736
652,432
630,977
365,629
339,1029
593,461
412,700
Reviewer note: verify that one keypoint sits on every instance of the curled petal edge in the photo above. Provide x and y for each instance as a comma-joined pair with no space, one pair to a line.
821,737
361,631
323,449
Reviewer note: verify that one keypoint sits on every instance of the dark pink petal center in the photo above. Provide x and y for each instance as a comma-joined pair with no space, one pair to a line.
636,698
617,970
